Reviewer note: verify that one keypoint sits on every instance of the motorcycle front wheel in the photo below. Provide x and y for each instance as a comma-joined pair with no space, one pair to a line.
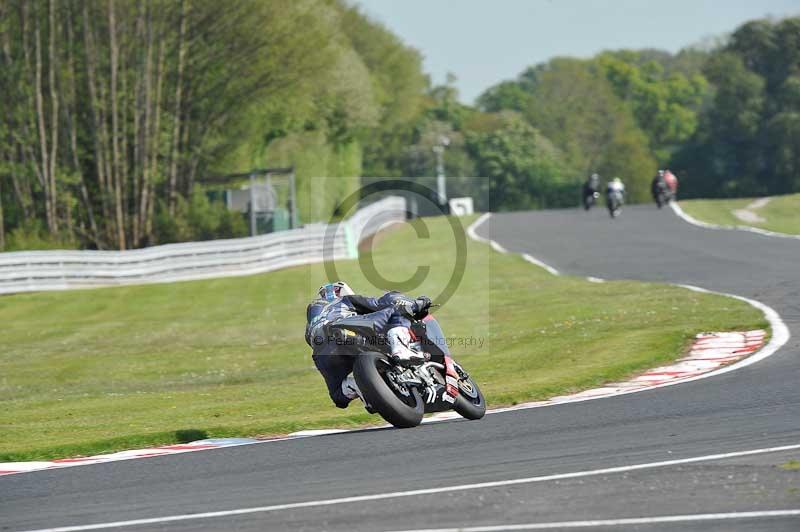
470,403
400,405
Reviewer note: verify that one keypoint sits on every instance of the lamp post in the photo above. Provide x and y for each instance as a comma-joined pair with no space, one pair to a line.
441,187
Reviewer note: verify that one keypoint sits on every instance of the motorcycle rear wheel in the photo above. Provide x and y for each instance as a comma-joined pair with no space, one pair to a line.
371,371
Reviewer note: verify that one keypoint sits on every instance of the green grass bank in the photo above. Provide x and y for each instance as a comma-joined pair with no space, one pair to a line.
781,214
99,370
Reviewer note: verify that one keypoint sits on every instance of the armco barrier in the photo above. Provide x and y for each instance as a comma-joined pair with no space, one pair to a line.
28,271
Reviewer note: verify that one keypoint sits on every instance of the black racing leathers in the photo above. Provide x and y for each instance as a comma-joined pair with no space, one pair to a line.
393,309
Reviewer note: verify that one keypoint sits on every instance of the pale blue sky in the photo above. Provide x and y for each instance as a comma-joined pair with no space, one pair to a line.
485,41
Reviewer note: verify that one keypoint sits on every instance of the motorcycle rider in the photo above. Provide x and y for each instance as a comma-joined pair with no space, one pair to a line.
615,196
391,314
659,186
590,187
672,183
615,186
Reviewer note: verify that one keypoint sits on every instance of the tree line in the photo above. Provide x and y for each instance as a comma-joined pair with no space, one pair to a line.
724,116
747,142
116,111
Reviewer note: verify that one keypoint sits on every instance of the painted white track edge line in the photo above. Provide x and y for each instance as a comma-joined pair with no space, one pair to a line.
477,223
537,262
780,332
499,248
424,491
750,229
688,518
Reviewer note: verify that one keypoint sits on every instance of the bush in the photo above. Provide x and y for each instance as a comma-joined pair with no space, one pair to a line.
198,219
33,236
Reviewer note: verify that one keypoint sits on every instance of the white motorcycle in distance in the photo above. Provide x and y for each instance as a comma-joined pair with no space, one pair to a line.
615,197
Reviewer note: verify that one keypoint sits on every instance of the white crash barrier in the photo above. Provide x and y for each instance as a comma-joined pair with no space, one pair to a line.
27,271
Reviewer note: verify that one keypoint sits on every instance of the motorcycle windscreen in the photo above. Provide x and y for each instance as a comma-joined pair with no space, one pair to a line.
434,342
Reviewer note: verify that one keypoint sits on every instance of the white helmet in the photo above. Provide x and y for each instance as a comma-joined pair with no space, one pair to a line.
331,291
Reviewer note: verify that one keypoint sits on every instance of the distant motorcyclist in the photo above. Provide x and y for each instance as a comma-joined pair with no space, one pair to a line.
615,196
390,314
660,189
664,187
591,191
615,186
672,183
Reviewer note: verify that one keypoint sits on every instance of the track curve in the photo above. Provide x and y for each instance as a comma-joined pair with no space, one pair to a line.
753,408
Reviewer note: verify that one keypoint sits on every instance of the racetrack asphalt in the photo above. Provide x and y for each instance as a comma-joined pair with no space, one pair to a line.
755,407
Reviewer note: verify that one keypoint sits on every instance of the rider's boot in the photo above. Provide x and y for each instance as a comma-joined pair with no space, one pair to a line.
399,339
351,391
350,388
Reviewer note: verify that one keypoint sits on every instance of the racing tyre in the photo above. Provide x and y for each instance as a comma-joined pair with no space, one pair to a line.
401,406
470,403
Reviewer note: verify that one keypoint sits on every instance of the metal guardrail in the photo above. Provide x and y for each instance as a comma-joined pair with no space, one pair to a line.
369,220
28,271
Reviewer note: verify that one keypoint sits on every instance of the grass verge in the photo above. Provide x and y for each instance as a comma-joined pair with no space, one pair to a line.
89,371
781,214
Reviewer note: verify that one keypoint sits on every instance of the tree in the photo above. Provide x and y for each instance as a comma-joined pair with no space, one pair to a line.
576,108
747,141
399,87
664,106
505,96
113,109
523,168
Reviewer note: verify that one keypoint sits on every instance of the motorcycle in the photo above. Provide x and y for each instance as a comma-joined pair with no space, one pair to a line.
614,203
663,195
403,393
589,200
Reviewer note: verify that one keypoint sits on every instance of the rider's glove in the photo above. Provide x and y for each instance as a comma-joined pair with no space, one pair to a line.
422,303
406,307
